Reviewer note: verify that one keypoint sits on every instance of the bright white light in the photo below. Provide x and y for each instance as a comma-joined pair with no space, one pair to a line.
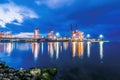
82,33
57,34
54,37
73,35
88,35
101,36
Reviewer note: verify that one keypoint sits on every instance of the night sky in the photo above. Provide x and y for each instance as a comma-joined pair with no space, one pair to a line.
92,16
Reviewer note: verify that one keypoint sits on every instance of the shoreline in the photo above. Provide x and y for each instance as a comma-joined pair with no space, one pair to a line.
4,41
9,73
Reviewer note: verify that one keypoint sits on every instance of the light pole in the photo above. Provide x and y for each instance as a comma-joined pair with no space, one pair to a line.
101,36
57,35
88,36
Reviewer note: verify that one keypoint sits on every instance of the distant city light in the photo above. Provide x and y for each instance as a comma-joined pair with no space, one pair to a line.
54,37
57,34
88,35
73,35
82,33
101,36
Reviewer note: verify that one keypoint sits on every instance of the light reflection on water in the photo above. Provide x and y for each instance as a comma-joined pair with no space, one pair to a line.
88,49
51,49
54,48
65,45
77,49
101,50
35,49
42,47
47,50
9,48
71,58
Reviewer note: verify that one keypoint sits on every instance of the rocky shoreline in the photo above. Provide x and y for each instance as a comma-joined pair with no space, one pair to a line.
8,73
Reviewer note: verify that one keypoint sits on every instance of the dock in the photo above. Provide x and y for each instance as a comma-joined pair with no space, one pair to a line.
46,40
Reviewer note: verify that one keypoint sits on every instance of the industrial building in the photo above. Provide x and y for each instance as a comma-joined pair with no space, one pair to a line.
77,35
51,34
5,35
36,34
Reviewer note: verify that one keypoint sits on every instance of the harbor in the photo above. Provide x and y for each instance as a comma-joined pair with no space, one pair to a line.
51,36
47,40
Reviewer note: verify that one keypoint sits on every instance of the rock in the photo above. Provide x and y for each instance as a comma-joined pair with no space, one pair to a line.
11,77
5,75
46,76
52,71
22,70
6,70
1,75
1,70
16,78
0,66
28,78
35,71
2,63
0,78
44,70
8,73
5,79
28,75
11,70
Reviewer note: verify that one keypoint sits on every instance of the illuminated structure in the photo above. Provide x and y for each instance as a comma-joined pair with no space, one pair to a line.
8,36
101,36
57,35
5,35
36,34
1,34
88,36
77,35
51,34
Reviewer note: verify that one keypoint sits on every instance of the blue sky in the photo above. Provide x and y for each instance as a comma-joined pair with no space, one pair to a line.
93,16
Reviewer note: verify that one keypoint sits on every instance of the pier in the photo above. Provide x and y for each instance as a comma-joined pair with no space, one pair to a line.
46,40
75,36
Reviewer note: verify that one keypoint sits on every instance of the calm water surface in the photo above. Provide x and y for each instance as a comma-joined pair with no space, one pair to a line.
74,60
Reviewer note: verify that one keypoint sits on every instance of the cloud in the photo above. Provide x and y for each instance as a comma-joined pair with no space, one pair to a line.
27,35
82,3
24,35
54,3
10,13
